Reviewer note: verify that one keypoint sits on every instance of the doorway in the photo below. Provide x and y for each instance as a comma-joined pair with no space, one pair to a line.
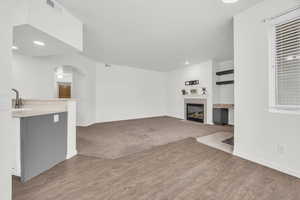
64,90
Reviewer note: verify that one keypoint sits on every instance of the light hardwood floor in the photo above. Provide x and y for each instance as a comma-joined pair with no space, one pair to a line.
183,170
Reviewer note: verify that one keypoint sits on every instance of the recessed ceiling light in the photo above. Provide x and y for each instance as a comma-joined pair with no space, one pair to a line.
15,48
230,1
60,76
187,63
39,43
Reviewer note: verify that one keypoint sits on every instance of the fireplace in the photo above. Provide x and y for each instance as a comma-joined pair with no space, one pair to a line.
195,112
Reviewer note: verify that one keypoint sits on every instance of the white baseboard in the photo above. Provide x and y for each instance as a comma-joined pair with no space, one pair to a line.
15,172
269,164
71,154
85,124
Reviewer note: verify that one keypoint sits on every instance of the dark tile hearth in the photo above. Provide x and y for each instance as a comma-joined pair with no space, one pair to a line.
229,141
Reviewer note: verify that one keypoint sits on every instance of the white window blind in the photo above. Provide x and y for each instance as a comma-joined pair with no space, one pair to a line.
287,62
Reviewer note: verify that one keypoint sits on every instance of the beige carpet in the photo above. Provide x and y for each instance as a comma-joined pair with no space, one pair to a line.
117,139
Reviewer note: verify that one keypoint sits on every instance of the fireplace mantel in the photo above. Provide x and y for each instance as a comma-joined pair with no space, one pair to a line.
195,97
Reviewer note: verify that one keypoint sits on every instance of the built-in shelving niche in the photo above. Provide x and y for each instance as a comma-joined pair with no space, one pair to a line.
225,82
231,71
225,72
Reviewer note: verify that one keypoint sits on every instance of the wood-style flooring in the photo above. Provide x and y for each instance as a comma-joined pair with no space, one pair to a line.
183,170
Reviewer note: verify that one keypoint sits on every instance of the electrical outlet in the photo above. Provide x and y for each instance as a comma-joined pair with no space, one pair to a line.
56,118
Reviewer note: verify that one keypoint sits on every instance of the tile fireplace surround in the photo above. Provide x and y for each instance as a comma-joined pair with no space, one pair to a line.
196,101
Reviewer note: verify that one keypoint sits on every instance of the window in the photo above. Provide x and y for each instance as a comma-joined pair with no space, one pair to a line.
285,60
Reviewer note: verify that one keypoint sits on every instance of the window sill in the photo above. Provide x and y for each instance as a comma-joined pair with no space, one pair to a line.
285,110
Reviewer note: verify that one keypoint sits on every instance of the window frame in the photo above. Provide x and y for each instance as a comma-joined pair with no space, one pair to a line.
273,89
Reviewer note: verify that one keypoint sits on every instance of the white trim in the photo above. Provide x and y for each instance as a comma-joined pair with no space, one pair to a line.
71,154
272,68
288,107
282,110
15,172
204,97
71,142
273,88
281,14
86,124
267,163
286,17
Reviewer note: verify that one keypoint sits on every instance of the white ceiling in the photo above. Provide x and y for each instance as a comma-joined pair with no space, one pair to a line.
157,34
24,35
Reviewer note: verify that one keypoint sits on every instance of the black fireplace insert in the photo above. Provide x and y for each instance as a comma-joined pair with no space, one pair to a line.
195,112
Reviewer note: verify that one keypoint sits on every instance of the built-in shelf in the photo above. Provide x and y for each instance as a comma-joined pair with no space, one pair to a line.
231,71
225,82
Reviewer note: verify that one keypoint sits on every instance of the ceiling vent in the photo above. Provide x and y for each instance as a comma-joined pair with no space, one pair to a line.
50,3
55,6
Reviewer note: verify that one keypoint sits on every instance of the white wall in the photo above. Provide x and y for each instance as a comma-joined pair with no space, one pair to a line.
102,94
84,77
129,93
267,138
117,93
224,94
5,85
34,78
175,83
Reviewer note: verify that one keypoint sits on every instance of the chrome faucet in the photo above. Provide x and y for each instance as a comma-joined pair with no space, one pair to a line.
18,101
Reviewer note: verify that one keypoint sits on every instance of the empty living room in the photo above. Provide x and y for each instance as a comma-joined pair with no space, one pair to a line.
150,100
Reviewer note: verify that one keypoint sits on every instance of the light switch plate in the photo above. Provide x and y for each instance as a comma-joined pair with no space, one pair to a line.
56,118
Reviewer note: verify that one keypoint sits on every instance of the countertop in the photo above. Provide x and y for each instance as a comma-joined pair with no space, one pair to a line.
36,107
30,112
